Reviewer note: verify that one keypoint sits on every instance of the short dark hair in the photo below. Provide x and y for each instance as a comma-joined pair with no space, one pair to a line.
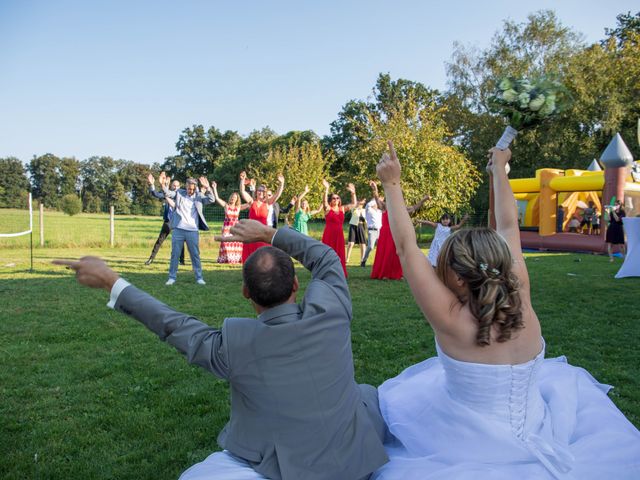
268,275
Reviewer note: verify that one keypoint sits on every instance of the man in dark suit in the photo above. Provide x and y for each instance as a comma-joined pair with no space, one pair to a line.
167,211
296,410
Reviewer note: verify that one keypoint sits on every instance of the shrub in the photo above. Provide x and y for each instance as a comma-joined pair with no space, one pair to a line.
71,204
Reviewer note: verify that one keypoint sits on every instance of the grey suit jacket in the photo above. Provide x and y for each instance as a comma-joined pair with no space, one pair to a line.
296,411
199,201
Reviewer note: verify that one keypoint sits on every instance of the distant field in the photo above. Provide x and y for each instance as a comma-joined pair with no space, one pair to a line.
89,393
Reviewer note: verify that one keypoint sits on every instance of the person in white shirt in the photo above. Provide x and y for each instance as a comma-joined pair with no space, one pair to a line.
186,222
373,216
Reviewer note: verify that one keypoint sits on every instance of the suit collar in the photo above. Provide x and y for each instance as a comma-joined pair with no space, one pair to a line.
287,312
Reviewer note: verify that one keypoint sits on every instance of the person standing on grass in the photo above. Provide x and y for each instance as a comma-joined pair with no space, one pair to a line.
167,211
615,230
373,217
303,212
230,252
296,410
186,222
443,230
259,209
333,234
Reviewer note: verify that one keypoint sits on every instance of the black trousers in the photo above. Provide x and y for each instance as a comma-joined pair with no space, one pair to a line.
164,233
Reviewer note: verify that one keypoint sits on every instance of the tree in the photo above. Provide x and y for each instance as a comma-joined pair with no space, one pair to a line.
199,152
302,163
352,131
97,179
71,204
14,184
624,32
69,175
429,164
45,179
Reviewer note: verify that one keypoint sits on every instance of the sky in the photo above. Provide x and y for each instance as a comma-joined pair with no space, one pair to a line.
119,78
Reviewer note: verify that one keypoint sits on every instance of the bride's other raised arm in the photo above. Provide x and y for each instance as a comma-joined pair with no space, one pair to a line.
506,213
436,301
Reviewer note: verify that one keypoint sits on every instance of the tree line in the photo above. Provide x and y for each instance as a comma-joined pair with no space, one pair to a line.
442,137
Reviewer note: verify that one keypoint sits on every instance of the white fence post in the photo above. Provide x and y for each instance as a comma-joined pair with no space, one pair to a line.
41,224
111,225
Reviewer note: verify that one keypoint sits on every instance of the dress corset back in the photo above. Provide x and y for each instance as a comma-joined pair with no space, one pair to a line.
506,393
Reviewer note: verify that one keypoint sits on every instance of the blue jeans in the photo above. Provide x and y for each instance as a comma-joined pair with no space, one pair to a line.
178,238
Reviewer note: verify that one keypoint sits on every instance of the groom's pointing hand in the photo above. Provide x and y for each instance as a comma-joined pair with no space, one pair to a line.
92,272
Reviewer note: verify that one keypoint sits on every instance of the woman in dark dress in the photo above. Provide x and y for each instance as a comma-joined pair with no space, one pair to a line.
615,231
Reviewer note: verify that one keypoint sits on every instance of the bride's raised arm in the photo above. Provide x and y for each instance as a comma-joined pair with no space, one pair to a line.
507,214
436,301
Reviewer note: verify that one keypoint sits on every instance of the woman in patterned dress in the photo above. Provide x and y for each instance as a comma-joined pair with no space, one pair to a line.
259,209
230,252
333,234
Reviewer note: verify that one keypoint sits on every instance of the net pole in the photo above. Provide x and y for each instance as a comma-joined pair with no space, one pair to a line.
31,229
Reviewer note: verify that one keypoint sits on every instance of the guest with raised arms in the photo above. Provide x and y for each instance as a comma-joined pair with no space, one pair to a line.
230,252
443,230
186,222
490,405
259,209
303,212
333,234
386,264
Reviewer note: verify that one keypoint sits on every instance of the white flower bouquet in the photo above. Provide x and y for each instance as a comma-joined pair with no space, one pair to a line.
526,103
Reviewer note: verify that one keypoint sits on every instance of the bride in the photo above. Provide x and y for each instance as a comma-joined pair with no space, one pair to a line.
490,405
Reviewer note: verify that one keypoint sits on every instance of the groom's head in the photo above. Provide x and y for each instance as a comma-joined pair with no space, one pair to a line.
269,278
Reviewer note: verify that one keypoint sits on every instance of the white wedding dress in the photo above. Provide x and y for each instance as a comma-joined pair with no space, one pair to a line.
541,419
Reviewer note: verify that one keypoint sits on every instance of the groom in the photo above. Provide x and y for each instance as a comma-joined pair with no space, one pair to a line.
296,411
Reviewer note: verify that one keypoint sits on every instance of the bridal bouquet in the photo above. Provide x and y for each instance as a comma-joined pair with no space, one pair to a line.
526,103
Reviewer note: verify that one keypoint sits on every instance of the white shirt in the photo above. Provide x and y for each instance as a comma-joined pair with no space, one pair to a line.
186,208
270,216
373,215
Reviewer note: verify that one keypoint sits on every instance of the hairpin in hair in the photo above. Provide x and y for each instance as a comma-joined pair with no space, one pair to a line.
483,267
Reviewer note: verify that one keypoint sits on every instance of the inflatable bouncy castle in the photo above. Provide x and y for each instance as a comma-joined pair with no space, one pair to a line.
548,202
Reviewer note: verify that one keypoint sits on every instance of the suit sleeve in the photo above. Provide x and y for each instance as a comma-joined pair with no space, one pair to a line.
201,344
318,258
155,193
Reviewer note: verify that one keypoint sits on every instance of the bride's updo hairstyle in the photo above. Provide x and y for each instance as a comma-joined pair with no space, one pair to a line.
483,260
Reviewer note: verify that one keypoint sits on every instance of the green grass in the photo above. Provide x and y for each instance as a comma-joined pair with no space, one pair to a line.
89,393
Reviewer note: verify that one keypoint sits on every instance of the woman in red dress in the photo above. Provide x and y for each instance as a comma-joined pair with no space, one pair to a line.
258,210
333,234
387,262
230,252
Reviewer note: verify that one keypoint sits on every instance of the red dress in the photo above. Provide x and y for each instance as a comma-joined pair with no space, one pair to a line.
258,211
387,262
333,235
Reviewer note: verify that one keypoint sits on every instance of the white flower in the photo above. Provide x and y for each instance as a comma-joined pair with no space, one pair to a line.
505,84
536,103
524,99
510,95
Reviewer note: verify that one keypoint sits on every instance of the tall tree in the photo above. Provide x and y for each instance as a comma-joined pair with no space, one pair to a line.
45,179
353,130
14,184
301,162
97,180
69,173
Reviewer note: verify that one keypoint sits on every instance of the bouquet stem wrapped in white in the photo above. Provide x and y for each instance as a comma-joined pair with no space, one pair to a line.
526,103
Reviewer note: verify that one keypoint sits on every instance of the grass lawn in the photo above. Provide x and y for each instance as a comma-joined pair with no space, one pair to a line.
89,393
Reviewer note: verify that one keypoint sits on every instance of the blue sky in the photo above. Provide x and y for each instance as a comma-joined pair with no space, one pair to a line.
124,78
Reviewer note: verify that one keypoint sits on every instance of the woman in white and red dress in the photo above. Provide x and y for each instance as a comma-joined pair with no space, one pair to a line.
230,252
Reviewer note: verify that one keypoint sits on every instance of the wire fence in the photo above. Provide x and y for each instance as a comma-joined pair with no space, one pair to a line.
53,229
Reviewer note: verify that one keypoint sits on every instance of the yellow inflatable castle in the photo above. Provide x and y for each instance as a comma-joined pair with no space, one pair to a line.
550,200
